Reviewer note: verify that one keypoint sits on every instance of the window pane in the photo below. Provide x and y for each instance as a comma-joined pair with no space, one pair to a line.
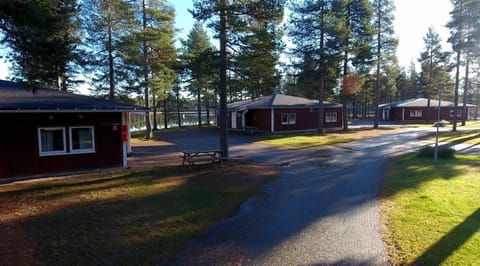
82,138
292,118
284,119
51,140
333,117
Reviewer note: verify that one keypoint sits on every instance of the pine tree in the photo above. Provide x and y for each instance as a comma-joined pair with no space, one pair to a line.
311,30
385,48
42,37
198,61
217,11
354,33
465,37
434,63
247,28
106,23
256,45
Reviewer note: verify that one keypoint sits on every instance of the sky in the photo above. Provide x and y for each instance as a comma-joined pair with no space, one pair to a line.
412,20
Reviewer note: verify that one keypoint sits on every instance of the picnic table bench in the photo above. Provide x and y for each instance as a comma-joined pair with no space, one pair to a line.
250,130
193,156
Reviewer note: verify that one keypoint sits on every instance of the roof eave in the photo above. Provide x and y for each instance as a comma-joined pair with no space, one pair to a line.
72,111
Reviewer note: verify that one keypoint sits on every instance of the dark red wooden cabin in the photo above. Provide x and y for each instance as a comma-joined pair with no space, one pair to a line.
44,132
418,110
282,113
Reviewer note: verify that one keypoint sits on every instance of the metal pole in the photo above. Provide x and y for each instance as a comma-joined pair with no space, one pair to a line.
435,156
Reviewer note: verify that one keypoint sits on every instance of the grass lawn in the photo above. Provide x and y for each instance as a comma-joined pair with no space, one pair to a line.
471,137
298,141
467,136
431,212
124,218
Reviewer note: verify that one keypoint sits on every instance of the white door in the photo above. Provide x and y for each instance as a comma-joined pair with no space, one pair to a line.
234,120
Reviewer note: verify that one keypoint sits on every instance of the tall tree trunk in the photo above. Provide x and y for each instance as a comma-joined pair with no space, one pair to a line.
430,87
154,106
111,69
207,108
344,94
199,108
465,90
165,114
379,58
177,92
223,80
320,129
148,123
457,82
345,73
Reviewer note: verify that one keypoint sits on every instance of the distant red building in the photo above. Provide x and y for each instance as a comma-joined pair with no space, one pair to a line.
48,131
418,110
282,113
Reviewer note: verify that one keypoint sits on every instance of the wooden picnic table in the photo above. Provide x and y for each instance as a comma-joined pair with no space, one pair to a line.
193,156
250,130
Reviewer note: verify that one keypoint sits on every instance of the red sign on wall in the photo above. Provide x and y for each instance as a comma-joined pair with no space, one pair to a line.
124,132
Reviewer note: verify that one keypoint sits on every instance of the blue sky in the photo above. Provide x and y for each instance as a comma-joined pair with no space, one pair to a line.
413,17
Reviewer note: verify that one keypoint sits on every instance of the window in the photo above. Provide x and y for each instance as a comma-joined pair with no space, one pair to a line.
289,119
331,117
51,141
415,113
82,139
292,119
459,113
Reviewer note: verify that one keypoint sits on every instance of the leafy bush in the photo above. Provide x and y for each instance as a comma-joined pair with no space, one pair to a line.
443,152
442,123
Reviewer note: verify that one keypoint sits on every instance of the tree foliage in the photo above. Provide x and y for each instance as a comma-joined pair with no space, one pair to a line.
435,67
464,28
106,24
42,37
311,28
199,63
387,69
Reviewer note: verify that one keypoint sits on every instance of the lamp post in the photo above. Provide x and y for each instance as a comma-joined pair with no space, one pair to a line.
435,156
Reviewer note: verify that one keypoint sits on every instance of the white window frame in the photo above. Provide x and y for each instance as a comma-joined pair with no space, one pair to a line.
51,153
77,151
331,117
416,113
289,118
459,112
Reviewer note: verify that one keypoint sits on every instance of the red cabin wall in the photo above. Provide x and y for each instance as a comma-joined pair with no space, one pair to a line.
19,151
306,119
396,114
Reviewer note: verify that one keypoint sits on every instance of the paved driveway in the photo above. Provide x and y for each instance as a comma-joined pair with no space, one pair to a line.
323,210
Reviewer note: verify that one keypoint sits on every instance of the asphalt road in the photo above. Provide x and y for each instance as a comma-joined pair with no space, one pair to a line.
323,210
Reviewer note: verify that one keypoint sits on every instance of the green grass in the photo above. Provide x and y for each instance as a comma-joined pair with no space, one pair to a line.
298,141
432,211
127,218
470,137
464,136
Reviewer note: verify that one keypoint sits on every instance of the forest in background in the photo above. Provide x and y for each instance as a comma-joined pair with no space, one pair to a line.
337,50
